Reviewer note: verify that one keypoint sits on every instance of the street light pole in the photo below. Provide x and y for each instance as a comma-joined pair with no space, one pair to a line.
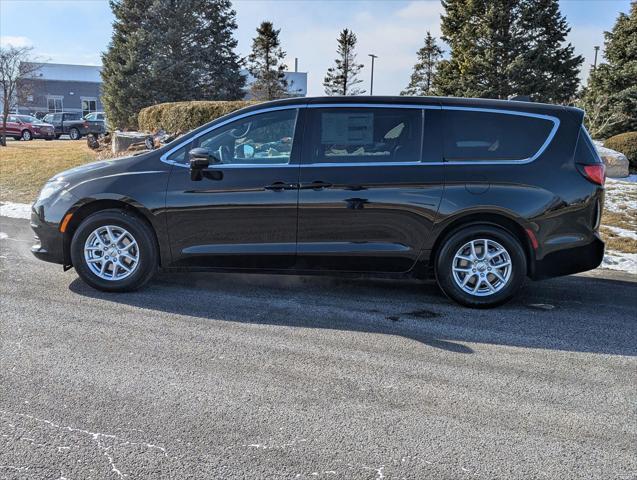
595,62
371,87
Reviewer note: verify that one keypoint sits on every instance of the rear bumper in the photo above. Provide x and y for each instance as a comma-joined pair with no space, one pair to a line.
570,260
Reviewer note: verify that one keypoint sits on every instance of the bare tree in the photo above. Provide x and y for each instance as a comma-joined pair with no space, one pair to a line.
16,66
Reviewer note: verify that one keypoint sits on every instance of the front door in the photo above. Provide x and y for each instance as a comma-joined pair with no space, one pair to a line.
367,198
242,213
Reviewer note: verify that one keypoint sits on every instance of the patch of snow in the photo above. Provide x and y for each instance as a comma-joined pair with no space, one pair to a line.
620,195
622,232
626,262
15,210
3,236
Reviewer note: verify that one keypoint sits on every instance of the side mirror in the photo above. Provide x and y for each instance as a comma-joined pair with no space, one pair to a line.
200,159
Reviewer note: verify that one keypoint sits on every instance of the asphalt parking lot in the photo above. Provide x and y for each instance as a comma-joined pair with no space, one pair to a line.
231,376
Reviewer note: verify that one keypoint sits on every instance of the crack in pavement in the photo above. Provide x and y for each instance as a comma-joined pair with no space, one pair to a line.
96,436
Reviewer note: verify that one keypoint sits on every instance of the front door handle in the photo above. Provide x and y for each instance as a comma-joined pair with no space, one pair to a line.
280,186
316,185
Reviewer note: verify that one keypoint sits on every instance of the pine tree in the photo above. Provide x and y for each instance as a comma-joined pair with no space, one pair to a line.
422,78
218,64
483,45
125,64
547,69
501,48
169,50
342,78
265,64
610,98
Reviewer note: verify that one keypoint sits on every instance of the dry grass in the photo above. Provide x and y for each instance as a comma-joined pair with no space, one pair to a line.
26,166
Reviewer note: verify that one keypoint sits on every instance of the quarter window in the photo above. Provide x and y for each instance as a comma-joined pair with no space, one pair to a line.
475,135
260,139
362,135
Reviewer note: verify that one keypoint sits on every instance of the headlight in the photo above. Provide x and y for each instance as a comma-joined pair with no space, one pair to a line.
51,188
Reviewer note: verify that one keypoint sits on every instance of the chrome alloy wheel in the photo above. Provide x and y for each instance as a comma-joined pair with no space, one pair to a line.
111,253
481,267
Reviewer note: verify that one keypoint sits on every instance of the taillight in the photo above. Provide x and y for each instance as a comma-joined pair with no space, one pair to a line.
594,173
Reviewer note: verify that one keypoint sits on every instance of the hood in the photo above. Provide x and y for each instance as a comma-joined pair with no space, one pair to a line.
96,169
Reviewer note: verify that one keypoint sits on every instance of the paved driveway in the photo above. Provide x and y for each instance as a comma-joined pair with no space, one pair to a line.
222,376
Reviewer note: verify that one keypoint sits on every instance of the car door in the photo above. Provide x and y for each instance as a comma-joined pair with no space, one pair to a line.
13,126
367,200
242,213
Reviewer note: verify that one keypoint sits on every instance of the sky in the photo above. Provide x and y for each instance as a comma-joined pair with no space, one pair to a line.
77,31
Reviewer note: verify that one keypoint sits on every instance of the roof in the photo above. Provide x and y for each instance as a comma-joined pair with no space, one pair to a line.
67,72
433,101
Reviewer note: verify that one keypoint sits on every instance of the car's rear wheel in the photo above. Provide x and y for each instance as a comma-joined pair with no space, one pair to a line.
74,133
27,135
481,266
114,251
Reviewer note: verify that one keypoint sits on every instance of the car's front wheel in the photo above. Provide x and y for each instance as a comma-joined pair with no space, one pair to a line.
481,266
114,251
27,135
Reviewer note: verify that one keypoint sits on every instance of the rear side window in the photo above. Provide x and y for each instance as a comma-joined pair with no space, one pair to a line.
72,116
363,135
480,136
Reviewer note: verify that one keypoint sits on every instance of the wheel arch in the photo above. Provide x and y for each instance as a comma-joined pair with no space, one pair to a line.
509,224
84,209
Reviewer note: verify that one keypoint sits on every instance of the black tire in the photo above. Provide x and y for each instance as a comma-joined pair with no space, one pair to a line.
143,235
57,137
445,262
75,134
26,135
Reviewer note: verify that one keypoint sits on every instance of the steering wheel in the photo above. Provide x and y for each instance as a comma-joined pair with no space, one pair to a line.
236,133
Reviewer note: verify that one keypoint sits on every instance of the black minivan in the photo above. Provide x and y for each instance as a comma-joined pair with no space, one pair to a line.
479,193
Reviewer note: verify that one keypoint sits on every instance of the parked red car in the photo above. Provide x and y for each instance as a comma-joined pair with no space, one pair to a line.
26,127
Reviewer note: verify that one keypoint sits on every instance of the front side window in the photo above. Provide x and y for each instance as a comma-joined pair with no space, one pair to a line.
260,139
362,135
483,136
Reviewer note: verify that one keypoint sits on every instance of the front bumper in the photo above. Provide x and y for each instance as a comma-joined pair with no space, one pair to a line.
44,135
49,241
570,260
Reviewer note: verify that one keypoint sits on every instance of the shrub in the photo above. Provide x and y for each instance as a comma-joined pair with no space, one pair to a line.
625,143
179,117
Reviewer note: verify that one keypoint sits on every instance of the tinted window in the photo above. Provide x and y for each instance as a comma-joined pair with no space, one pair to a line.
361,135
264,138
72,116
27,118
470,135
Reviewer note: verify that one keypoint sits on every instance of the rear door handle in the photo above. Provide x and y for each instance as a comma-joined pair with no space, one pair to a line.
316,185
280,186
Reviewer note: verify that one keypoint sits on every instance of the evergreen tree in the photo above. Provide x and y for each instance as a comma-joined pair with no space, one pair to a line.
422,78
126,64
501,48
610,98
342,78
547,68
169,50
265,64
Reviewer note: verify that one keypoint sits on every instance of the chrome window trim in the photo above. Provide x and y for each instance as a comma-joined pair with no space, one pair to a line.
545,145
